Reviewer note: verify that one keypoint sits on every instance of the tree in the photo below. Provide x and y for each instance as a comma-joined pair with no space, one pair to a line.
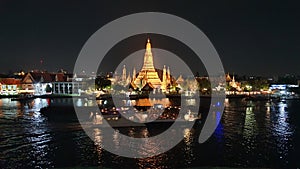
259,84
48,89
102,83
204,85
177,89
246,86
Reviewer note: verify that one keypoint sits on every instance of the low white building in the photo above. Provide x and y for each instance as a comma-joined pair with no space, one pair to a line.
43,83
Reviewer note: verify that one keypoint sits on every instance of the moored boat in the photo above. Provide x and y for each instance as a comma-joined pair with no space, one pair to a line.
23,97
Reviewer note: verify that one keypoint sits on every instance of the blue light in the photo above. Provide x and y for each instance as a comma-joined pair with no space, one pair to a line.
218,118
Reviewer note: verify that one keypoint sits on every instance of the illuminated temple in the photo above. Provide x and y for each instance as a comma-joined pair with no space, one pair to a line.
148,76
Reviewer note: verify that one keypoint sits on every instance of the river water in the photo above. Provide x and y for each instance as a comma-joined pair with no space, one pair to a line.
260,134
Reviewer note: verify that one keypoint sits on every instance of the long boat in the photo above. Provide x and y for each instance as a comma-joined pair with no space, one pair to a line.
23,97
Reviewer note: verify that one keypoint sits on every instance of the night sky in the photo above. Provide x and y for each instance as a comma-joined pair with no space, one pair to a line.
251,37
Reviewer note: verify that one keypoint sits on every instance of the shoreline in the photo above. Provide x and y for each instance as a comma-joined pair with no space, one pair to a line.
136,97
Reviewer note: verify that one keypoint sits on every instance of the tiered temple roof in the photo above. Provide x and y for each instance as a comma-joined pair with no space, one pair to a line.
148,72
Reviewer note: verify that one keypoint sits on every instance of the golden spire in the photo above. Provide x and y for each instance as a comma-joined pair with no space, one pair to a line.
124,74
148,46
148,58
148,72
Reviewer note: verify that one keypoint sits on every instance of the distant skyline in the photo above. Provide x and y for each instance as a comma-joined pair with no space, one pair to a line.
251,37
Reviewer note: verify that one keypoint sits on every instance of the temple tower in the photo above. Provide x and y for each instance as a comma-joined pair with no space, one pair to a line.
164,82
134,74
124,74
169,75
148,71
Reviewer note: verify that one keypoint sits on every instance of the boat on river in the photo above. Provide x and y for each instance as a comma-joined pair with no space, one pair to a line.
23,97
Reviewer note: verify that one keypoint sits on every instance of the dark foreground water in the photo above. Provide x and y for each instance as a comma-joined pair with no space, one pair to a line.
256,134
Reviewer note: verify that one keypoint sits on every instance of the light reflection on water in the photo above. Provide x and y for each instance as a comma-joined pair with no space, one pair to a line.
267,134
282,130
251,134
189,146
23,130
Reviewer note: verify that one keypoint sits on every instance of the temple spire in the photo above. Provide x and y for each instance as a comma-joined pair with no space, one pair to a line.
148,46
164,82
134,74
124,74
148,58
168,75
148,72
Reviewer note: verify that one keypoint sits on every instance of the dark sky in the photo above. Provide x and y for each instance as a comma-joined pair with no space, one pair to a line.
251,37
